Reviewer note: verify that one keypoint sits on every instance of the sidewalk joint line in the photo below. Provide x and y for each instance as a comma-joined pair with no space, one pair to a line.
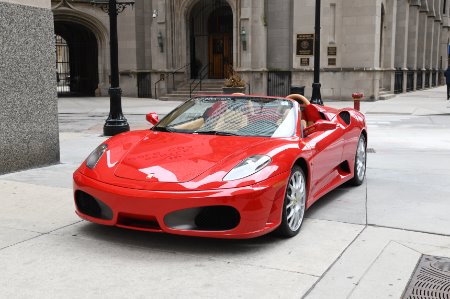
56,229
410,248
39,235
23,241
368,268
333,263
408,230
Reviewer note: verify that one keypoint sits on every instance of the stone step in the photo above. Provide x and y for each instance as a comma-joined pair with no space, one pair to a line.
185,96
184,90
385,96
206,88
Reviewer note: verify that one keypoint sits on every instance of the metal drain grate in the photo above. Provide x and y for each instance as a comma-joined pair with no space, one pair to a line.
371,150
430,280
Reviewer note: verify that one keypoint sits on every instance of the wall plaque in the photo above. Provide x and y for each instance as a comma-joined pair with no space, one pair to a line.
305,44
304,61
332,51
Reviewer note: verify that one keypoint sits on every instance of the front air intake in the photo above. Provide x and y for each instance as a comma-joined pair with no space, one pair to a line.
208,218
91,206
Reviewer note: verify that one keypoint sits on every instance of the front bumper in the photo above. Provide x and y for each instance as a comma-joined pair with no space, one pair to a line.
259,207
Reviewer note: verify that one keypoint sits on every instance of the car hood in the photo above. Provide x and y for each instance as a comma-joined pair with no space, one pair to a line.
177,158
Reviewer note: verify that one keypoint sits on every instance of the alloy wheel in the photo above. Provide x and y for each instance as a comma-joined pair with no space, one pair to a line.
295,207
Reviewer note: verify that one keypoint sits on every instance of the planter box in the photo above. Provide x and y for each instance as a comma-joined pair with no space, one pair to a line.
230,90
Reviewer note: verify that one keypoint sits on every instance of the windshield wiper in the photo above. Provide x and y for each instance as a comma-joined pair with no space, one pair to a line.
212,132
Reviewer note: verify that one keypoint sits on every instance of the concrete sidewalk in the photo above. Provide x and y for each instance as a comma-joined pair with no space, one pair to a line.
361,242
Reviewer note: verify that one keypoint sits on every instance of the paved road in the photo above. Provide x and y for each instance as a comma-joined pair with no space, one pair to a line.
359,242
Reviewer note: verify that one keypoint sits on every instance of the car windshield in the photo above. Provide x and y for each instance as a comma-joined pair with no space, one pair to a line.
234,116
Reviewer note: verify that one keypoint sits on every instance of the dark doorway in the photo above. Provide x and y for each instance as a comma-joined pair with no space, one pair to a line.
279,83
76,59
62,66
211,40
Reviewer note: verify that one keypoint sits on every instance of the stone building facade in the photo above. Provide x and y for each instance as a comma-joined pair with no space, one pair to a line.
29,113
373,46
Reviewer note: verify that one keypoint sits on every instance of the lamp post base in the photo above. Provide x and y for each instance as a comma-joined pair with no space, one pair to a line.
116,123
316,97
115,126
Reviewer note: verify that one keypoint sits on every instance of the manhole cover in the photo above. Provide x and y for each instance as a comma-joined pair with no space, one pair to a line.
370,150
430,280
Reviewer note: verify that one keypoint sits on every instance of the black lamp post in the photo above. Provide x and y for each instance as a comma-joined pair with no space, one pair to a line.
115,123
316,97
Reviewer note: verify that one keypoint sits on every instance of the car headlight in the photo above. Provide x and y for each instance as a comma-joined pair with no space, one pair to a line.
248,167
95,156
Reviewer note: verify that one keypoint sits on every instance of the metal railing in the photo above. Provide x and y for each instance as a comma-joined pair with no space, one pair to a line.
201,75
398,81
163,77
409,81
174,72
419,80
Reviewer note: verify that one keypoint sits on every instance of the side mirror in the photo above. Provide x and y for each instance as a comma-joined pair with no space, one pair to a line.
152,118
321,125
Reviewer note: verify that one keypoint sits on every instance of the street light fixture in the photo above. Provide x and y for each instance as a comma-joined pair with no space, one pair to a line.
316,97
115,123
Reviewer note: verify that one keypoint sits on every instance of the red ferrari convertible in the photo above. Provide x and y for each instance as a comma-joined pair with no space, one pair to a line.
225,166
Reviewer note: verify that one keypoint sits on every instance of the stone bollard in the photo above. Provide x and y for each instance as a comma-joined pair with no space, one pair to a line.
357,96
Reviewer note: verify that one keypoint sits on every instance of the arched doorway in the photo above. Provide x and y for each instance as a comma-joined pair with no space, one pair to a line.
76,59
211,39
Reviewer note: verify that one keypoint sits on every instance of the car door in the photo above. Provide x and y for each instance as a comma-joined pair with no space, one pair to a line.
351,137
327,148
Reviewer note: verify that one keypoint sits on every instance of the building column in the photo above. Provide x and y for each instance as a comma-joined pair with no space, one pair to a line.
401,40
429,43
437,38
445,36
29,115
389,41
422,39
253,60
437,34
413,37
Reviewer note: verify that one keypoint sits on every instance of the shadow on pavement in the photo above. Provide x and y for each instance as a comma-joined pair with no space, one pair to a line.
175,243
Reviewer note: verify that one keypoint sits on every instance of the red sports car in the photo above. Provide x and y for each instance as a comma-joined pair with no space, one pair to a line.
224,166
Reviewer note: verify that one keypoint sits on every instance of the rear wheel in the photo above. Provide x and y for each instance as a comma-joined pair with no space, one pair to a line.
359,169
294,204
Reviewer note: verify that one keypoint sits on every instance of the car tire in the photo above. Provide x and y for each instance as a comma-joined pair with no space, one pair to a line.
359,168
294,205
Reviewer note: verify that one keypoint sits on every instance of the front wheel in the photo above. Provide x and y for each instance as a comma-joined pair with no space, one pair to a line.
294,204
359,169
